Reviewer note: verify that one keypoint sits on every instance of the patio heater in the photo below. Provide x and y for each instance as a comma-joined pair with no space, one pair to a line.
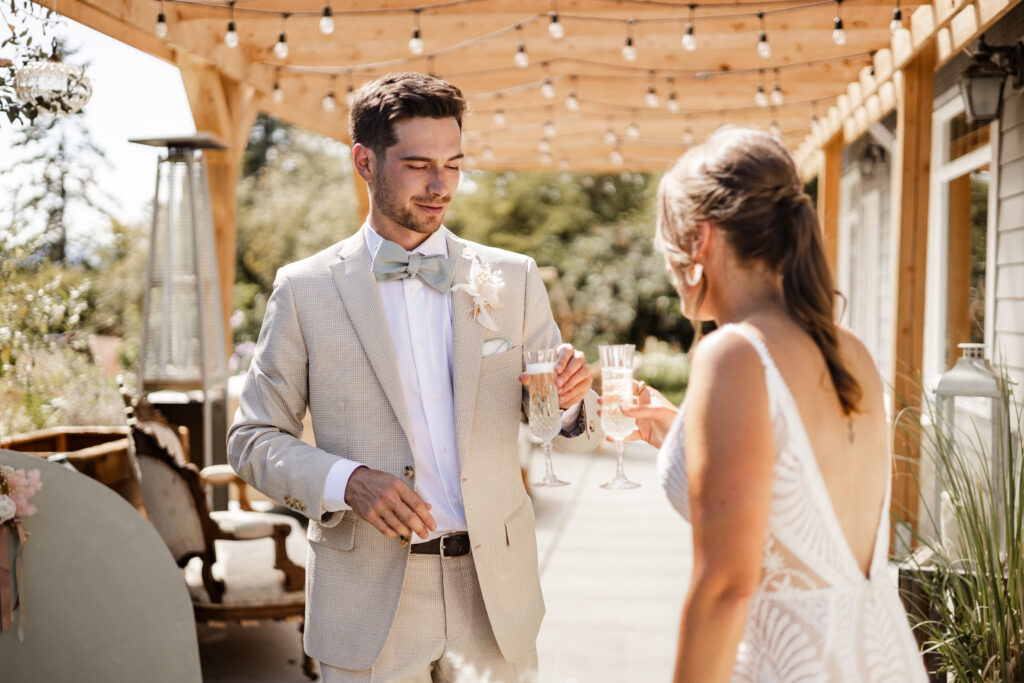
183,363
971,377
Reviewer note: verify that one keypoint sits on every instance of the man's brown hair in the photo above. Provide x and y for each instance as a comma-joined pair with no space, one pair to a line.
382,103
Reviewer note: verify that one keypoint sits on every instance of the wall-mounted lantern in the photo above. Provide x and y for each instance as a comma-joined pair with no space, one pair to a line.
981,84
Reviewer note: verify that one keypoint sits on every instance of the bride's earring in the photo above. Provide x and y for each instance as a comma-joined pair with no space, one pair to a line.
693,274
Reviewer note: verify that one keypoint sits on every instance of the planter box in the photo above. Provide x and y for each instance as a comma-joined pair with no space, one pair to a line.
98,452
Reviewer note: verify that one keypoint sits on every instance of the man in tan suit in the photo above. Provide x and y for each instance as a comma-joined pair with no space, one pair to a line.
406,344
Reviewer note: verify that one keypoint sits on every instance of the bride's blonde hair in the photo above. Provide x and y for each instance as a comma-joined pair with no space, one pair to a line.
745,183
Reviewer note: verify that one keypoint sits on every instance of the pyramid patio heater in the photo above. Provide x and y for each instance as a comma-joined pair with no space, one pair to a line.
183,360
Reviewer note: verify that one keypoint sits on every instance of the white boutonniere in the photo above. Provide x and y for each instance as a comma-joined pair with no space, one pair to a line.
485,287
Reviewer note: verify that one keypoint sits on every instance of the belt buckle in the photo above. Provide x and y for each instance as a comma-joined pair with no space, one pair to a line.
442,542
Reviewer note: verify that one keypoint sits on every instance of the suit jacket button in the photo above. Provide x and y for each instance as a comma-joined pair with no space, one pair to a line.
403,541
409,472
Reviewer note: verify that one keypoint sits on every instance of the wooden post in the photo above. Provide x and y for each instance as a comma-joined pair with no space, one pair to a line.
828,198
959,307
911,171
226,108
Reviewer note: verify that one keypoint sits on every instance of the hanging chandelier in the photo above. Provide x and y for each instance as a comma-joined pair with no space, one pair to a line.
51,85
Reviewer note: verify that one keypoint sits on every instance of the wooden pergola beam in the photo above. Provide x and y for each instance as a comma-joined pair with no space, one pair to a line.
910,183
828,199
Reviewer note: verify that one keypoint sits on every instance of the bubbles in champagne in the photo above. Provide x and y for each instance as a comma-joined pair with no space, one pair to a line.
617,388
545,417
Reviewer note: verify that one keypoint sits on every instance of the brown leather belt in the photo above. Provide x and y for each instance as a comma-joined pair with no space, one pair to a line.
452,545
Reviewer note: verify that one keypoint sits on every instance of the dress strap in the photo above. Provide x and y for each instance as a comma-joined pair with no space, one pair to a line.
774,383
755,341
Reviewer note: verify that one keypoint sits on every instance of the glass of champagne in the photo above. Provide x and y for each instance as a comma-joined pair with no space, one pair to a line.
545,416
616,391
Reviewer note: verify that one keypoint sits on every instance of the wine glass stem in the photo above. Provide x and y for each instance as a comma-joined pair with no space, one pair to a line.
619,471
546,447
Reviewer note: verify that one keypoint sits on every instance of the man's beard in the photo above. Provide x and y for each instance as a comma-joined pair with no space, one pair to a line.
403,216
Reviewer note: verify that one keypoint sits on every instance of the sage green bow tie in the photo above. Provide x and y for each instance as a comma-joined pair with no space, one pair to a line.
393,262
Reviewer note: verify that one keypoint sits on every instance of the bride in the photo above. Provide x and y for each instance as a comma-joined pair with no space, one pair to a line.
779,457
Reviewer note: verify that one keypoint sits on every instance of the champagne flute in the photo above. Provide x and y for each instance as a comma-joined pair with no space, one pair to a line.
545,416
617,390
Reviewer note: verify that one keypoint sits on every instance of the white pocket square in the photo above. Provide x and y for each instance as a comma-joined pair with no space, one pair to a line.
493,346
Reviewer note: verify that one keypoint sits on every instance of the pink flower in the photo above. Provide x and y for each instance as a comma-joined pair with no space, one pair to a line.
21,486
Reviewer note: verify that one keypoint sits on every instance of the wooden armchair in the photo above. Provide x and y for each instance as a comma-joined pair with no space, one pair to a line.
236,562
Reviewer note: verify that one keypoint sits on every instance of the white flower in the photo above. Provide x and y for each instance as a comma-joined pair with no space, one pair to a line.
485,287
8,508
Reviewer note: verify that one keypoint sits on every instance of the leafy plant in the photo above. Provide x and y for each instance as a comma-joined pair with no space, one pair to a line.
971,582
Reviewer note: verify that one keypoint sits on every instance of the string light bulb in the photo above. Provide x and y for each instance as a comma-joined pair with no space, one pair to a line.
487,154
500,120
897,19
777,98
761,97
327,21
544,146
838,34
416,41
651,98
545,158
688,137
161,22
775,131
632,131
547,90
281,48
815,124
350,96
763,47
548,129
616,157
572,102
610,138
328,103
522,60
277,95
231,36
673,102
555,28
629,50
689,39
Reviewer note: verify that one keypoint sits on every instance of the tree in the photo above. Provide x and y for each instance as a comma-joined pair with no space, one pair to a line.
596,232
295,198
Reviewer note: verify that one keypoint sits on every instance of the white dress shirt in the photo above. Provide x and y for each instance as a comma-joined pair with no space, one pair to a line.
420,321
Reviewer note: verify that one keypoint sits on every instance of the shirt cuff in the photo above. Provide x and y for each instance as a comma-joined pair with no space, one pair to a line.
336,484
570,415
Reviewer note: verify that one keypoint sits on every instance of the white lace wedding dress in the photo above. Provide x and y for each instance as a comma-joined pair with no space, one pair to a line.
815,617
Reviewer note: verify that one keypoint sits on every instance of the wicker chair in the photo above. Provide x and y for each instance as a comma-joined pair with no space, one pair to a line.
235,562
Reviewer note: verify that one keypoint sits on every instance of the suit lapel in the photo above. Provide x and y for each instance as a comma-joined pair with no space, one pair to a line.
358,289
468,340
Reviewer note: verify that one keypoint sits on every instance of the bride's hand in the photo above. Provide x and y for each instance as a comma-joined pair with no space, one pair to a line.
654,415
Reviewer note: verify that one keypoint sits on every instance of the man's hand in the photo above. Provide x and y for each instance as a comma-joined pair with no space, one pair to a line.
572,375
387,502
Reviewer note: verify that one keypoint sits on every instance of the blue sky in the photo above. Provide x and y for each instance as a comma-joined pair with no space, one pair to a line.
134,95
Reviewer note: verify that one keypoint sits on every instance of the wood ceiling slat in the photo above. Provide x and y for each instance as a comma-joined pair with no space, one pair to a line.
610,90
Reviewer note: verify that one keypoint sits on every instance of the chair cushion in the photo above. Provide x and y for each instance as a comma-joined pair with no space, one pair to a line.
245,524
247,569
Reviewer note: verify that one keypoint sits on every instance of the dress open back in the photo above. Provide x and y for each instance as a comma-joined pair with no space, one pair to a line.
815,616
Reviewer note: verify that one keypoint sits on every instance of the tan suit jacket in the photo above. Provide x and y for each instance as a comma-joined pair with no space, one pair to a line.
325,343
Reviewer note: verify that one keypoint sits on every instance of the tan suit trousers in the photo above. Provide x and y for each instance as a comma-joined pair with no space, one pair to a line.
441,633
